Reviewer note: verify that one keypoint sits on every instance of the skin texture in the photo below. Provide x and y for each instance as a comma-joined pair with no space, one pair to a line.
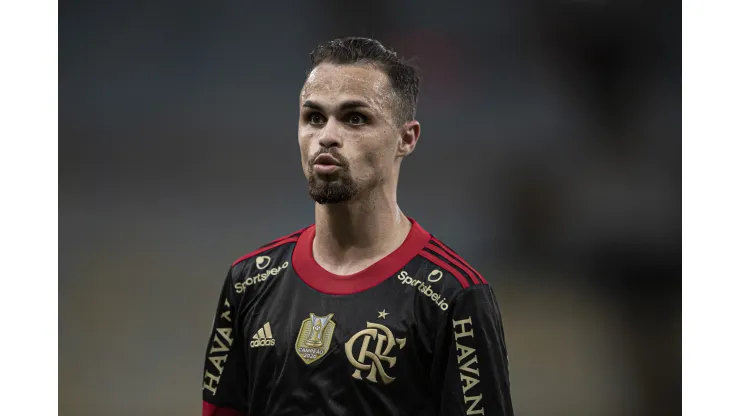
358,220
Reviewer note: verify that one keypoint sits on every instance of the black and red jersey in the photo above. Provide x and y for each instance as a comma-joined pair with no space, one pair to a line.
417,333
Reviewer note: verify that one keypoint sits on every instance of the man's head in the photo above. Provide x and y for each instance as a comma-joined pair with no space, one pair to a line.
356,118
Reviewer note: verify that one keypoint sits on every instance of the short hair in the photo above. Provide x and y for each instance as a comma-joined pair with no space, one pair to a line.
404,78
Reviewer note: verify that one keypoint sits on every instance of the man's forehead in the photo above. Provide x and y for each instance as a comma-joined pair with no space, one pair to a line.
335,82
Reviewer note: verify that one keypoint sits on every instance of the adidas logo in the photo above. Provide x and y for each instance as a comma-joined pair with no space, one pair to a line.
263,337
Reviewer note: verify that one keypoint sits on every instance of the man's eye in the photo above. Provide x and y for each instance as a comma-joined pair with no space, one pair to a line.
316,118
356,119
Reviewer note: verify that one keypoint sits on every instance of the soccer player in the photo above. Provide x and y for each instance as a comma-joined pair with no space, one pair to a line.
364,312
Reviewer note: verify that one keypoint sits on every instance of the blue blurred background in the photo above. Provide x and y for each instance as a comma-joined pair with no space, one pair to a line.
549,158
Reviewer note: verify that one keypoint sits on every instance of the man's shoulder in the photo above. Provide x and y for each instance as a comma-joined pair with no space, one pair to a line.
269,252
446,264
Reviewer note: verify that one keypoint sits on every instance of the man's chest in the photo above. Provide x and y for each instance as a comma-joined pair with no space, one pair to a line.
374,336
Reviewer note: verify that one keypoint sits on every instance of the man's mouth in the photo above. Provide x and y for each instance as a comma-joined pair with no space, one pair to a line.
326,164
326,159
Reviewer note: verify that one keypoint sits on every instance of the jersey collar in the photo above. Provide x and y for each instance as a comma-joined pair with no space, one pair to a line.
324,281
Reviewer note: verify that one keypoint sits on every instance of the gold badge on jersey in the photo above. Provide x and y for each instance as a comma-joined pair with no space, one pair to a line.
373,360
314,337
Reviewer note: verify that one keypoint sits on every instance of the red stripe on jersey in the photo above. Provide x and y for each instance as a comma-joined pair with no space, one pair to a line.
447,257
285,237
210,409
277,243
431,257
460,259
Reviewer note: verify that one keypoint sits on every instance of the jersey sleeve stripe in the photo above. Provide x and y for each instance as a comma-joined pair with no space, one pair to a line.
210,409
447,257
436,260
277,243
285,237
456,256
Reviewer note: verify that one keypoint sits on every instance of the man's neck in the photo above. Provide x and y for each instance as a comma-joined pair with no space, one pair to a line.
354,235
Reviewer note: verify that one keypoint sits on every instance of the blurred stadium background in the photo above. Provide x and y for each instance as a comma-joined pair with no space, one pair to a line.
549,158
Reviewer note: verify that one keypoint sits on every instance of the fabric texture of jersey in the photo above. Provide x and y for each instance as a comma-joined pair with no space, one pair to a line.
417,333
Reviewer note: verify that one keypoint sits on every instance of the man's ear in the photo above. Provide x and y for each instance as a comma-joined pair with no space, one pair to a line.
409,137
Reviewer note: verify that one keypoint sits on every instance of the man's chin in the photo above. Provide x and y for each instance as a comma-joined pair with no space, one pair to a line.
329,202
326,193
330,198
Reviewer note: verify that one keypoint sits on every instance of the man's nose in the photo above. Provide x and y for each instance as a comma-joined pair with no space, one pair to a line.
330,134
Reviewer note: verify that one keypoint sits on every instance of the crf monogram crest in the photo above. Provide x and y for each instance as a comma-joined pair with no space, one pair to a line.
314,338
373,361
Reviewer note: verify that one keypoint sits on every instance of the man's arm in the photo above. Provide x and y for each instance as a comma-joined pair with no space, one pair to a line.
473,349
225,374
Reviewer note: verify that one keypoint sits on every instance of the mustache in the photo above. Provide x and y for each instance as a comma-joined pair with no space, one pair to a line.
341,159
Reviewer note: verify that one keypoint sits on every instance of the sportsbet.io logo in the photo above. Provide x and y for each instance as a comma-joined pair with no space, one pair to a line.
425,289
434,276
261,263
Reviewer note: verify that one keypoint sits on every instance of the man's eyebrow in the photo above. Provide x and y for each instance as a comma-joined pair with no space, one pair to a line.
347,105
311,104
353,104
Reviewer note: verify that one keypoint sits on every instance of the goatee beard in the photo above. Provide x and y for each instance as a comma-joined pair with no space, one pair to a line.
340,188
331,192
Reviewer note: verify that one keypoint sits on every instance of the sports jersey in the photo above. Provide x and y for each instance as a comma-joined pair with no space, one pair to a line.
417,333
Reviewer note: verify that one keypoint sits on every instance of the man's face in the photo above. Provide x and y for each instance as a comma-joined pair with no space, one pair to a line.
346,131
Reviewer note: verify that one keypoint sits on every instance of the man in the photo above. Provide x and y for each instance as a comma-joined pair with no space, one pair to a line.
363,313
